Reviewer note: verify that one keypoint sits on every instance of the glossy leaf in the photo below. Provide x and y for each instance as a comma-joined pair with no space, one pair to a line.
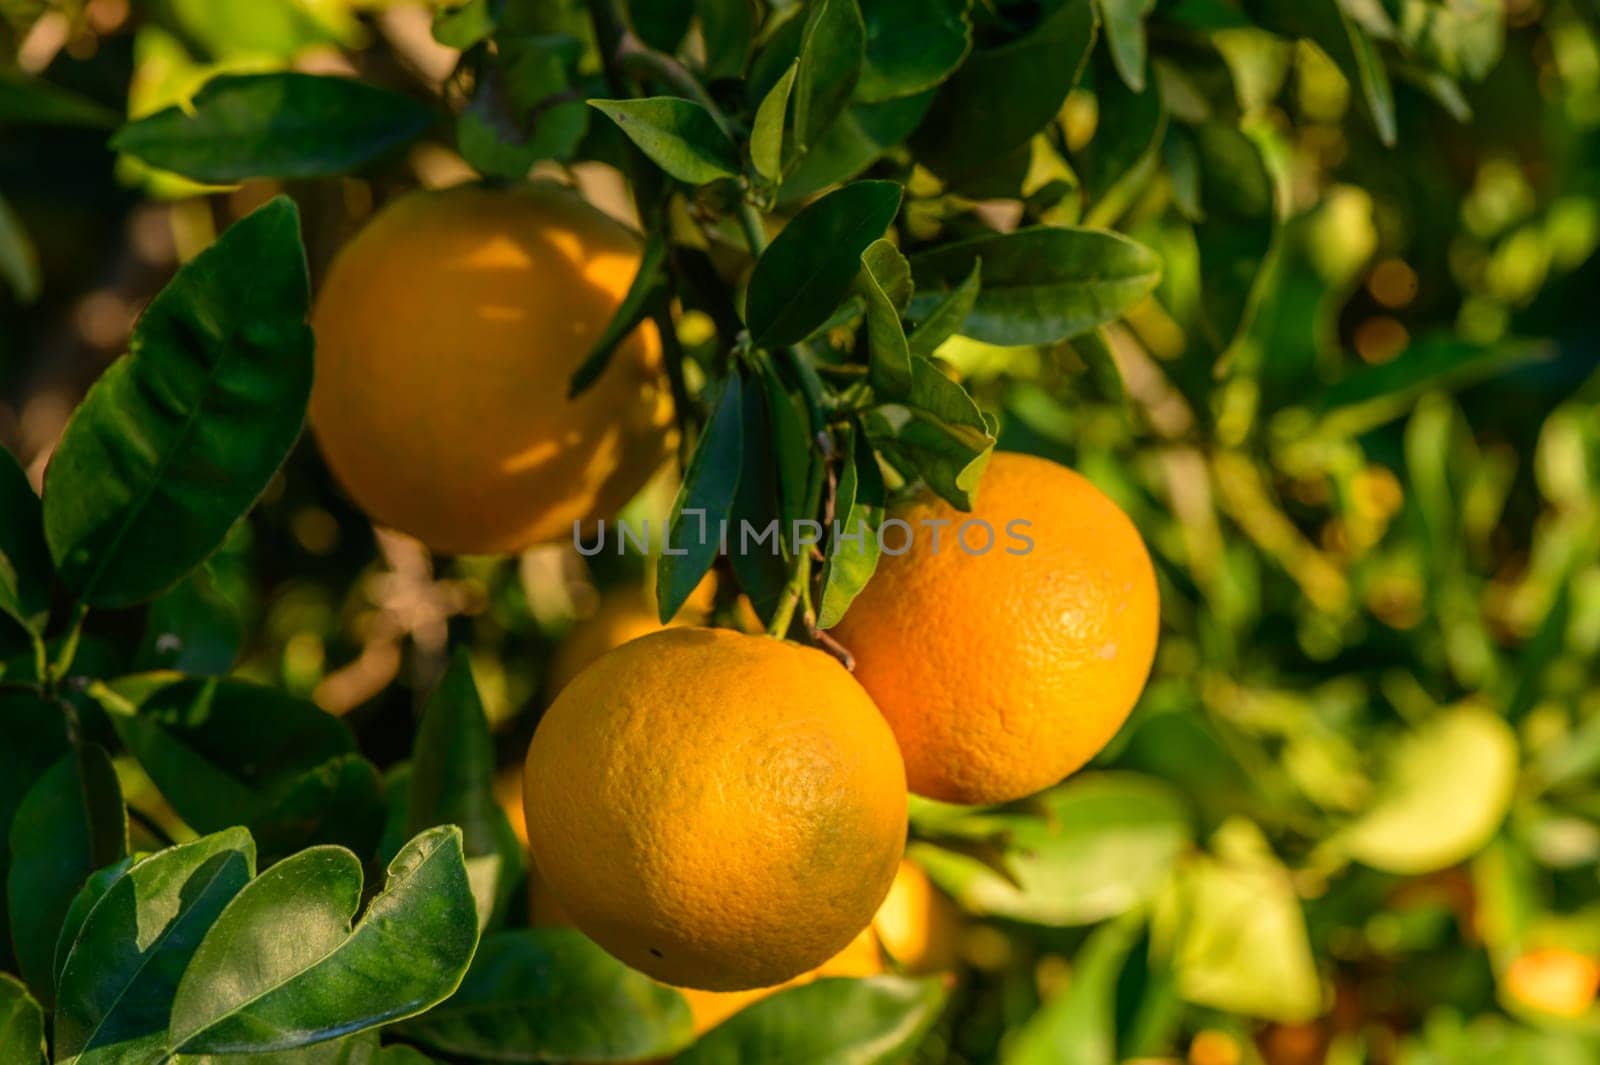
221,751
251,989
339,802
1090,849
831,52
21,1024
551,994
33,737
938,433
70,823
177,439
1003,95
873,1021
1040,284
755,543
679,136
83,902
858,506
791,442
942,320
635,307
1123,21
124,965
766,134
807,270
703,502
1444,792
452,783
911,46
857,138
25,568
889,364
279,125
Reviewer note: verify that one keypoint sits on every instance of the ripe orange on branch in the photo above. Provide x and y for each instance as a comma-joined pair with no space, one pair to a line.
447,330
719,811
1003,670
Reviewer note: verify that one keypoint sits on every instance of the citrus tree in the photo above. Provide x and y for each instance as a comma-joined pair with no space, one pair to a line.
559,695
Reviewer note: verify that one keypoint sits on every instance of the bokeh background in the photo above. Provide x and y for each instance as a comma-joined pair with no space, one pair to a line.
1355,818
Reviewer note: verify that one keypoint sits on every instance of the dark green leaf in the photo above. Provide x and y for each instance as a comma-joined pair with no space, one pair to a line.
662,23
340,802
706,497
938,433
32,101
83,902
858,506
125,963
1079,1023
831,51
19,258
679,136
726,27
452,782
943,320
766,135
221,752
25,568
1236,235
842,1022
1095,351
1440,363
808,269
1124,25
889,363
912,45
33,737
855,140
191,628
1117,161
791,443
21,1024
635,307
251,988
524,107
1002,96
178,438
756,545
280,125
550,994
70,823
1327,23
1041,284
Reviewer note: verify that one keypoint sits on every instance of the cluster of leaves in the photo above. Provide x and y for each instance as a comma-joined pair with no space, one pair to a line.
1139,236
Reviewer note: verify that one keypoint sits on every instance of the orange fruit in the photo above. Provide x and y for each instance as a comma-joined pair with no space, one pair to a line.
1554,980
719,811
1003,670
446,332
917,925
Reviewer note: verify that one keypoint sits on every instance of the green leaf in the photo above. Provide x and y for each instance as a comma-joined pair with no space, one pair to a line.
19,259
340,802
250,988
33,101
679,136
766,135
452,782
524,106
1328,24
942,320
1040,284
125,963
839,1021
1003,95
727,28
21,1024
831,52
889,365
33,737
1236,940
759,564
83,903
70,823
912,46
791,443
25,568
1090,849
177,439
1117,162
466,24
706,496
646,286
221,752
1235,237
859,136
1445,790
859,503
807,270
279,125
1078,1025
1459,39
1124,25
191,628
939,433
551,994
